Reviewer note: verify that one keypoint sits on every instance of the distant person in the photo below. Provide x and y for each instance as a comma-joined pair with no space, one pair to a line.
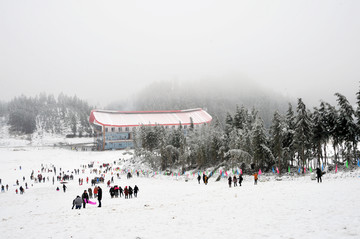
318,175
130,192
95,192
85,198
99,195
121,191
136,189
255,178
240,180
77,203
235,181
126,191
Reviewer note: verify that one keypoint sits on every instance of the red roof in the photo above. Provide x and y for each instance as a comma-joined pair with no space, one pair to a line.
149,118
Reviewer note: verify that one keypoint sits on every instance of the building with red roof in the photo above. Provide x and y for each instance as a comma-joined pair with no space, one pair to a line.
113,129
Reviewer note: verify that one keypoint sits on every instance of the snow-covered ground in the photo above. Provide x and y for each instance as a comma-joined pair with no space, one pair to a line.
170,207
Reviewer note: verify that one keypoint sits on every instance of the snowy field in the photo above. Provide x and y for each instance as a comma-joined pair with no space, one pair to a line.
170,207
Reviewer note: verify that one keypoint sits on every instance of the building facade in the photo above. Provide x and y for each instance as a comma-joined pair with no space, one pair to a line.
113,129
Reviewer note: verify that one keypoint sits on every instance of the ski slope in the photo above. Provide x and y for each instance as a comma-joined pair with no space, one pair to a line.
170,207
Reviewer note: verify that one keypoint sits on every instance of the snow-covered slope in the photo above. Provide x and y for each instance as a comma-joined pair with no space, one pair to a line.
170,207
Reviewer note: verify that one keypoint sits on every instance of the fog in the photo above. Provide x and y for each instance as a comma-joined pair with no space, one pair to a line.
105,51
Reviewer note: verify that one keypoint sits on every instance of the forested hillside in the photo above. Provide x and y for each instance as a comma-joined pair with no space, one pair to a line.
216,98
299,137
65,115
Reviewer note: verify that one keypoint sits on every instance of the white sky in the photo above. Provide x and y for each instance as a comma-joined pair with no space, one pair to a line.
104,50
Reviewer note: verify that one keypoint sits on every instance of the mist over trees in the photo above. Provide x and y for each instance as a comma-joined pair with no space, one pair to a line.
44,113
216,96
296,138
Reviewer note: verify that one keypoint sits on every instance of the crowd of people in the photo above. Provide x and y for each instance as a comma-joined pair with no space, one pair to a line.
115,191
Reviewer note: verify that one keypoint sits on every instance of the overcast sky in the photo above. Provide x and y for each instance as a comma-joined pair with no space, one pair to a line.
104,50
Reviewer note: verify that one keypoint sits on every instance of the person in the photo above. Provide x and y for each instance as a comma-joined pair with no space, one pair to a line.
240,180
99,195
116,190
199,178
230,181
318,175
77,202
64,187
112,192
255,178
126,191
235,181
136,189
90,193
121,191
95,192
130,192
85,198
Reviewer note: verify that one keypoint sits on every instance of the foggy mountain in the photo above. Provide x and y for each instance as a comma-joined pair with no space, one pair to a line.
217,96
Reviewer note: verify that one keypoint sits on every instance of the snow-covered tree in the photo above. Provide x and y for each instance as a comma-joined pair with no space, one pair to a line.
347,125
277,131
303,130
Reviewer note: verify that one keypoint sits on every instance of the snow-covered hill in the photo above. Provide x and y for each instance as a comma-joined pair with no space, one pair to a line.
171,206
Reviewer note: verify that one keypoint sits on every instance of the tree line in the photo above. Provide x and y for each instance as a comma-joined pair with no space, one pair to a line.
64,115
298,137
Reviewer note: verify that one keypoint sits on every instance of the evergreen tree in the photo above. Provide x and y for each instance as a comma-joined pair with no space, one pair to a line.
302,131
289,134
333,128
347,125
277,133
260,148
318,134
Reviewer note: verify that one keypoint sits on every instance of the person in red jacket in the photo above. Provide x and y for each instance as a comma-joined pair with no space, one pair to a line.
255,178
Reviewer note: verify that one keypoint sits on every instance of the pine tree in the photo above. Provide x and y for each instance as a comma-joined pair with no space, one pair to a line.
259,144
347,125
326,129
318,134
333,128
289,134
277,133
302,131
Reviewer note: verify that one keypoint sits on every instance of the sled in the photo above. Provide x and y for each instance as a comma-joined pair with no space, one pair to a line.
90,202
